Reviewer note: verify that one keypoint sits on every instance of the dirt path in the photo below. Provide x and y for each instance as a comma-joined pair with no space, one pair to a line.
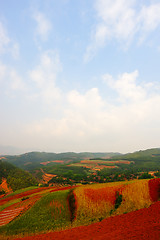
143,224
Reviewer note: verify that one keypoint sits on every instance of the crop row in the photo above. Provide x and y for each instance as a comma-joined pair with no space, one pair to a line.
66,207
99,201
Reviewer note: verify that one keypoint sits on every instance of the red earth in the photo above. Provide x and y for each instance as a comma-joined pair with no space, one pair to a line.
143,224
23,194
11,212
33,191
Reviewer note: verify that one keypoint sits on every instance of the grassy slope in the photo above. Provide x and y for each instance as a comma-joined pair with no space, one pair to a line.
51,212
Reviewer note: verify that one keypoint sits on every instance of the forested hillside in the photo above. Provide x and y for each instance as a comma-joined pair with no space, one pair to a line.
16,178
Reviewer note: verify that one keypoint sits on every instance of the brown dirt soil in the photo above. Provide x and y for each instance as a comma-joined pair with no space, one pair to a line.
47,177
56,161
4,186
143,224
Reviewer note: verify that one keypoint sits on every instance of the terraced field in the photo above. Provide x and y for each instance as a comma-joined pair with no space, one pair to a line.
39,210
7,216
97,165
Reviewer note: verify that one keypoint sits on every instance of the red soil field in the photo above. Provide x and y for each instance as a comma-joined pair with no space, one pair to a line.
102,166
56,161
23,194
143,224
8,215
154,186
4,186
47,177
101,161
27,193
62,188
11,212
103,194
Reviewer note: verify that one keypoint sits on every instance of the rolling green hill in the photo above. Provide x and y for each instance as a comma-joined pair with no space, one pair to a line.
89,167
146,160
31,160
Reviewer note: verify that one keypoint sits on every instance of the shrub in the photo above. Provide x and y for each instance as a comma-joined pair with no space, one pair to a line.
118,200
72,205
2,192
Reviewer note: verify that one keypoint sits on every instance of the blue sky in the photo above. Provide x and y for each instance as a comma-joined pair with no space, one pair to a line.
80,75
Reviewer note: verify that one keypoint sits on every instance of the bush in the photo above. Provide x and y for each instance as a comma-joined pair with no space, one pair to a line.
72,205
2,192
146,176
118,200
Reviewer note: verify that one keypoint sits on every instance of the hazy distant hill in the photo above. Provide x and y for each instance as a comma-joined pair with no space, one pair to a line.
147,154
146,160
32,160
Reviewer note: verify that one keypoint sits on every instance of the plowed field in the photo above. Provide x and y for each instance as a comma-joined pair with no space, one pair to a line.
11,212
8,215
143,224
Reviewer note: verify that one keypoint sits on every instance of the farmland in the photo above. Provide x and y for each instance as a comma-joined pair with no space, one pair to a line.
107,168
72,190
140,225
99,201
72,168
38,210
97,165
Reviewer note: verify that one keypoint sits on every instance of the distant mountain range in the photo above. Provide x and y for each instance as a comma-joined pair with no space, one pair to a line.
32,160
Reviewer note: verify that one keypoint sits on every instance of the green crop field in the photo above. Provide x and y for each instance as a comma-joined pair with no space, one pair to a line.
51,212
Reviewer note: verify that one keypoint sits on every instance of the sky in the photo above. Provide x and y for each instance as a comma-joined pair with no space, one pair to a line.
80,75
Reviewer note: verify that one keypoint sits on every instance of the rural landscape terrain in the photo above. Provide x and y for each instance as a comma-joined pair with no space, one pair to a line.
46,195
80,120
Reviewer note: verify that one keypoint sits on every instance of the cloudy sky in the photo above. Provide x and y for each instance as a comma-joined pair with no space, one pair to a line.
80,75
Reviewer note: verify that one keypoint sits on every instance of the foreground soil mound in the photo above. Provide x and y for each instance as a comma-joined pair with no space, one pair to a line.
143,224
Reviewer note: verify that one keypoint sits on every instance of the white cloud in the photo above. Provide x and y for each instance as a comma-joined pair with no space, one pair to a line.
3,69
4,39
7,45
90,98
16,83
45,75
89,123
123,21
15,51
126,86
149,17
43,26
10,81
